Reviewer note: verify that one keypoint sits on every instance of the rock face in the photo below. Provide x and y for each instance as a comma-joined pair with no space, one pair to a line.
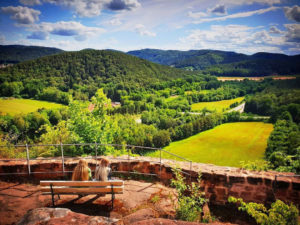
62,216
143,214
52,216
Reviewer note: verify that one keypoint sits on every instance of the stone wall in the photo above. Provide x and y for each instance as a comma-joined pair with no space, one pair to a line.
217,182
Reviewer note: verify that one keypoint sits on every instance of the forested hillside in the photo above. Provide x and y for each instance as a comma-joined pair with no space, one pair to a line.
10,54
222,63
82,73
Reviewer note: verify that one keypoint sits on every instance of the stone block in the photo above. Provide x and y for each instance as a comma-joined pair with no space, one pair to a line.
236,179
255,180
282,185
296,186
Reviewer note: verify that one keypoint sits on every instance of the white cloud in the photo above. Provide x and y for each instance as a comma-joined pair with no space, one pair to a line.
30,2
115,22
238,38
91,8
141,29
293,33
23,15
292,13
63,28
250,2
238,15
197,15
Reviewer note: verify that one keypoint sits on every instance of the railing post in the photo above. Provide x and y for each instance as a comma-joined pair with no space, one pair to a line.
62,158
96,152
28,159
160,164
191,171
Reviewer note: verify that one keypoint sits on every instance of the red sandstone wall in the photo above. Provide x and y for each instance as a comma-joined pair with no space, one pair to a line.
217,182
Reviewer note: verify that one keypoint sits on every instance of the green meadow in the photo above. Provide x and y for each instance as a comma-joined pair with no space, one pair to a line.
15,106
218,105
225,145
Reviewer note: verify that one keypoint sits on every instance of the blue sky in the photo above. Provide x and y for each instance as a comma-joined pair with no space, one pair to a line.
245,26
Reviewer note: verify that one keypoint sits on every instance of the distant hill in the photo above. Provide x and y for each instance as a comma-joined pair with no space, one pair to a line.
223,62
11,54
88,69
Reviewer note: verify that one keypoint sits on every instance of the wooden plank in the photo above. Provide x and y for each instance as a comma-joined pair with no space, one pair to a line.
82,183
61,190
49,193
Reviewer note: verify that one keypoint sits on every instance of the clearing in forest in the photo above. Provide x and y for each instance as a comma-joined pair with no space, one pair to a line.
225,145
15,106
217,105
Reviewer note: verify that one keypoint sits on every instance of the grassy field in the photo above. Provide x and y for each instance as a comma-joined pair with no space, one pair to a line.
225,145
218,105
14,106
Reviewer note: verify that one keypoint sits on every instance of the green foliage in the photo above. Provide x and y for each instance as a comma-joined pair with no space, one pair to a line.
19,53
279,213
190,199
222,63
82,73
257,165
155,199
283,150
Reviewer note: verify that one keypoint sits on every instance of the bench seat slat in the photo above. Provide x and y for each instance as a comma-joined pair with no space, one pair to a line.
83,183
94,190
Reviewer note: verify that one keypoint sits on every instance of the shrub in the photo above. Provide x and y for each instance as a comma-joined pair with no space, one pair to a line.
279,213
190,198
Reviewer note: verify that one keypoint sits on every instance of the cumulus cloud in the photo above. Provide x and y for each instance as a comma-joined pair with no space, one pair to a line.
90,8
63,28
219,10
292,13
238,38
30,2
23,15
275,30
293,32
238,15
141,29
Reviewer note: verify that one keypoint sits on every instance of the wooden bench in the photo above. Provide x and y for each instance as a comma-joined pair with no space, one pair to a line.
63,187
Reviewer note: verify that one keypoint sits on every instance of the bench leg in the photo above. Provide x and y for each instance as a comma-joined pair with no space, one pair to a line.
52,194
112,200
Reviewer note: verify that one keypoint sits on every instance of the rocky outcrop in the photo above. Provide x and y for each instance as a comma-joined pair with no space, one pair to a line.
62,216
51,216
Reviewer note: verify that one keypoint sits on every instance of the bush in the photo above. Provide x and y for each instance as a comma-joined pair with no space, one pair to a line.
190,198
279,213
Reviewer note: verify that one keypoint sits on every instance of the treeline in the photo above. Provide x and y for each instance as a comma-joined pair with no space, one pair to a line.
82,73
258,67
19,53
283,107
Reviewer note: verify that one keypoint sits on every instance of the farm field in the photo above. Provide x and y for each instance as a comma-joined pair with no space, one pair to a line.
225,145
218,105
15,106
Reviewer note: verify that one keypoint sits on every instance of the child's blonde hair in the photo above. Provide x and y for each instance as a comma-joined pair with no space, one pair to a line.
102,170
81,171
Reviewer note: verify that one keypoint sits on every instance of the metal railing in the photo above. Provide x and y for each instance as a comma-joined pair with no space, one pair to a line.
129,149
